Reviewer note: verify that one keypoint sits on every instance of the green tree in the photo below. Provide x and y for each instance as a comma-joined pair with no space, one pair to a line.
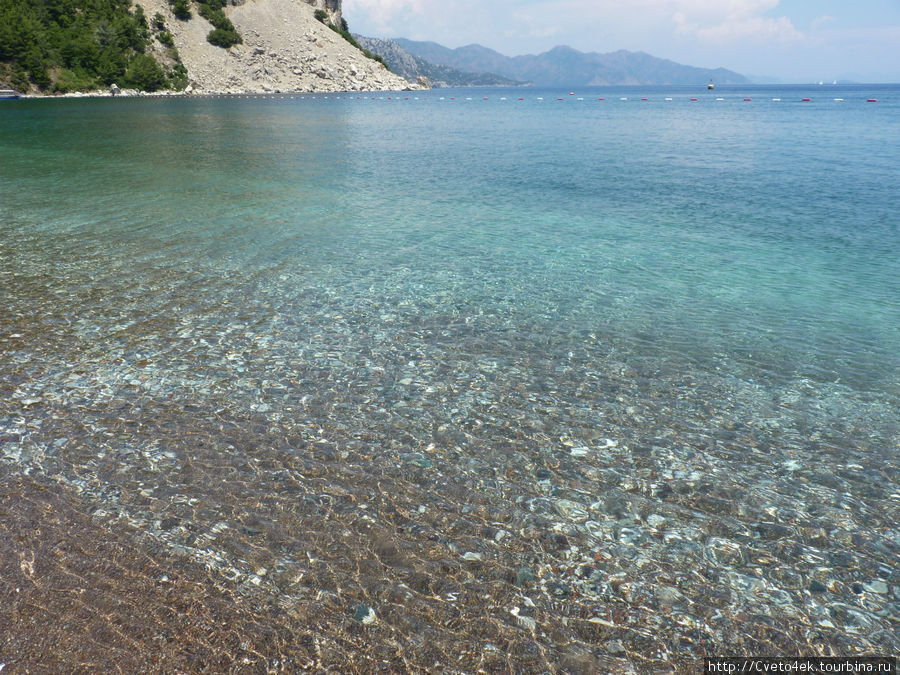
145,73
68,80
224,38
178,78
84,42
181,9
111,66
224,34
140,18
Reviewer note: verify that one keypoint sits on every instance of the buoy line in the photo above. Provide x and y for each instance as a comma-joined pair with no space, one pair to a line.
579,99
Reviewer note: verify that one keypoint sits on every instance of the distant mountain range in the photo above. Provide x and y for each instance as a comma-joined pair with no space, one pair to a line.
412,67
564,66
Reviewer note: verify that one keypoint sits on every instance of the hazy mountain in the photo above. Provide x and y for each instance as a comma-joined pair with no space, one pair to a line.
413,67
564,66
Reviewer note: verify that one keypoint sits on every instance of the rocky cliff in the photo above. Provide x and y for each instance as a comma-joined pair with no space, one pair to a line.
285,49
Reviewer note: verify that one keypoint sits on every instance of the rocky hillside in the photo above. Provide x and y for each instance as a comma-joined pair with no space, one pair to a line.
414,67
285,48
204,46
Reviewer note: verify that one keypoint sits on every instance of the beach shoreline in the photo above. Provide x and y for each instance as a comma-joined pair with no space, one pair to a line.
208,94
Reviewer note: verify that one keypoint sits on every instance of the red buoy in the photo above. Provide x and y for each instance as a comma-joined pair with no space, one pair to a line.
601,99
694,99
748,99
871,100
806,100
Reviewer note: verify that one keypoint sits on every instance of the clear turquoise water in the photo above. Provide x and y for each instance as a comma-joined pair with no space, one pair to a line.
759,239
716,282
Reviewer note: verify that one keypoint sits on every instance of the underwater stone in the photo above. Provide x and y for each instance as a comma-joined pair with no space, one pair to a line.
364,614
524,575
876,587
416,458
615,647
816,587
558,588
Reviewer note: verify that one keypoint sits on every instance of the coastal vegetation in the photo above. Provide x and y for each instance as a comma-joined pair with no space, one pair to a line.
223,34
181,9
58,46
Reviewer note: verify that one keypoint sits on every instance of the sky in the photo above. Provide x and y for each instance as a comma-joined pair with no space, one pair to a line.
792,41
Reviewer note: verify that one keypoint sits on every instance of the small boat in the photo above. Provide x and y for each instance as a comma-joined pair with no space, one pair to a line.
8,94
711,86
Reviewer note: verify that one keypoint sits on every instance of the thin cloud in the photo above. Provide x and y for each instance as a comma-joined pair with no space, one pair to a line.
725,21
383,14
757,29
822,21
708,20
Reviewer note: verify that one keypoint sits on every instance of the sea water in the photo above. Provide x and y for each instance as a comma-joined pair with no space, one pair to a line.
601,311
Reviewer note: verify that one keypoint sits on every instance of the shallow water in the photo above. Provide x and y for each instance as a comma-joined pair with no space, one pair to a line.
600,384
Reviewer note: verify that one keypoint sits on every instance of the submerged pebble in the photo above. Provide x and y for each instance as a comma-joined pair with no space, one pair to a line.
364,614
